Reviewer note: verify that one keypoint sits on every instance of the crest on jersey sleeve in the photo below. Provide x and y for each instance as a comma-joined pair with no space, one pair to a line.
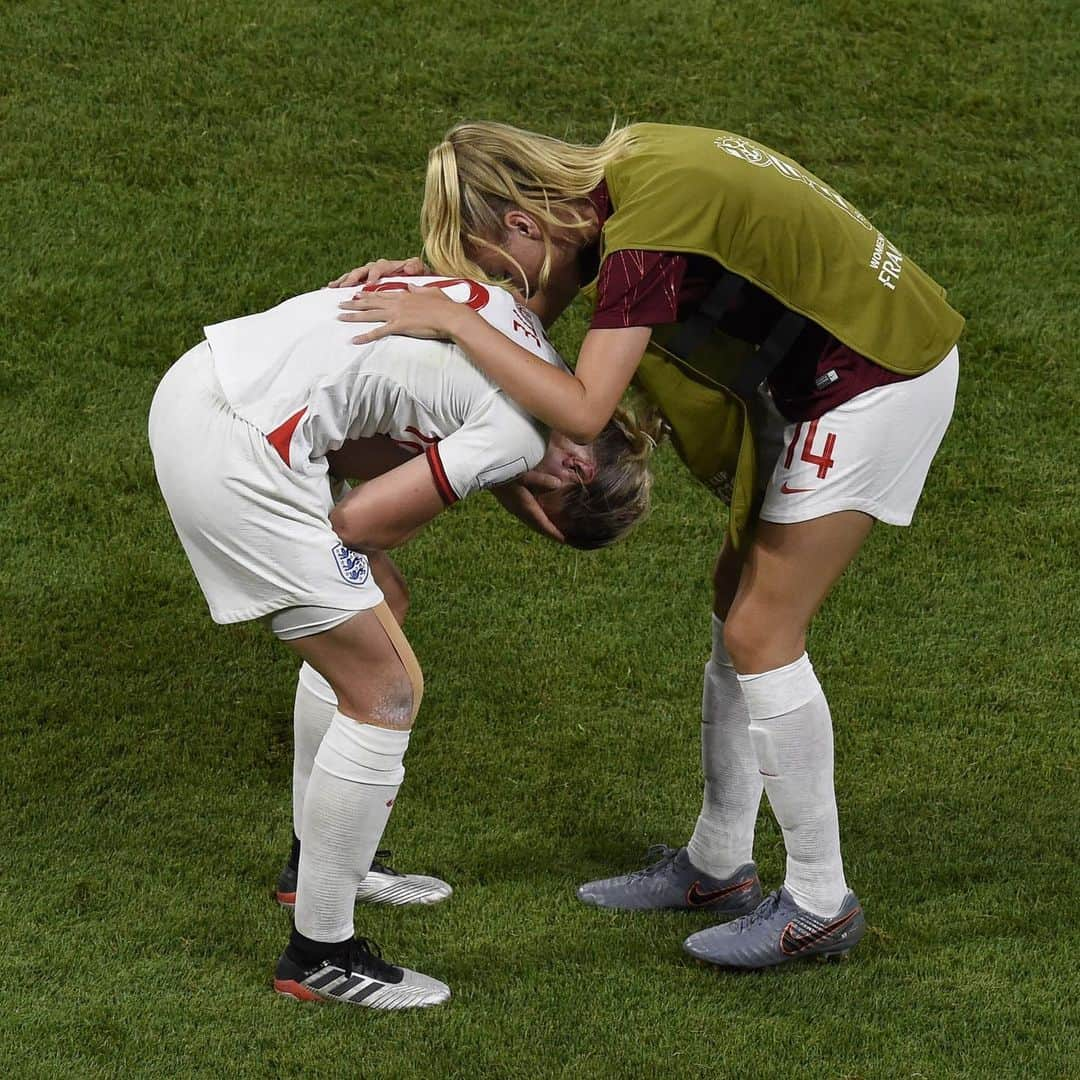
352,566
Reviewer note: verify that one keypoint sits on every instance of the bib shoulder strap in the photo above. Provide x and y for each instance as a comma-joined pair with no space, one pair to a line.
772,350
696,330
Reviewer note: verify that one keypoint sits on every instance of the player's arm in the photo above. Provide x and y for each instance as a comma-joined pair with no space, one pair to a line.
388,510
577,403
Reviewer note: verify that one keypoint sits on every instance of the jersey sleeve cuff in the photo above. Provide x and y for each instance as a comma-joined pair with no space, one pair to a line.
615,320
439,475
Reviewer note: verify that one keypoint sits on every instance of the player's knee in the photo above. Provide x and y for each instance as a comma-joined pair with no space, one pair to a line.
400,701
759,641
389,701
393,708
407,670
737,641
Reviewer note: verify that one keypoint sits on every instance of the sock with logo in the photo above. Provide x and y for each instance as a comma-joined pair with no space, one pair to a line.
723,838
313,709
791,729
354,781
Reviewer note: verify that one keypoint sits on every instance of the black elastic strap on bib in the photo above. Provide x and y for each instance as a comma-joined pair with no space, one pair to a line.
772,350
695,331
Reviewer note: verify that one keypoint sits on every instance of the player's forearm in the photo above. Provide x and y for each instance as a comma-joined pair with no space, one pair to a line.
367,538
555,397
389,510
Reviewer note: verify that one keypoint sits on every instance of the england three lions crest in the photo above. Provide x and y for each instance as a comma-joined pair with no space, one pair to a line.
352,565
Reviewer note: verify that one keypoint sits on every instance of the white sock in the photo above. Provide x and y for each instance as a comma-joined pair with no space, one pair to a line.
313,709
791,729
723,838
353,785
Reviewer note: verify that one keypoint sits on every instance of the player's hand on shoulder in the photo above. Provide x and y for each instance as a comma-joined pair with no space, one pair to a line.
415,311
371,272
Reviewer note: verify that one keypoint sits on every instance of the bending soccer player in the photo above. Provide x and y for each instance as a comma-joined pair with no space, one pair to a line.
246,429
719,268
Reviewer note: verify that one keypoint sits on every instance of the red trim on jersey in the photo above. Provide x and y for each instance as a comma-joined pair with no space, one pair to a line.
477,299
478,296
281,436
418,448
439,473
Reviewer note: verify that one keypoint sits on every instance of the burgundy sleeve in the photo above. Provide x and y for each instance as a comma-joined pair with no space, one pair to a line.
638,288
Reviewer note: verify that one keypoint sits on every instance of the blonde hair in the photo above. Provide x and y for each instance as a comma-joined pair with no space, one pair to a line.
603,510
481,170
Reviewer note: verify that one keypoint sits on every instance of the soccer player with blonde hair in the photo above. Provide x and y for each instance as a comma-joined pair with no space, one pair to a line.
250,430
807,368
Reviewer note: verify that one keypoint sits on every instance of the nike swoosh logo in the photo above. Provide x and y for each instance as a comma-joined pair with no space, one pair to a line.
792,943
785,490
697,897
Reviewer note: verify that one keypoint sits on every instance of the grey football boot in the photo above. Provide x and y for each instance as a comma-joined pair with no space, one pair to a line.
356,975
672,881
778,931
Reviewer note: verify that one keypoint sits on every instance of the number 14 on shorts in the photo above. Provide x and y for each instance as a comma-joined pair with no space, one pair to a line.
824,460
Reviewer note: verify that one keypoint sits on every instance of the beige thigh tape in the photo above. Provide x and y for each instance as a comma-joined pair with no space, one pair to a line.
404,650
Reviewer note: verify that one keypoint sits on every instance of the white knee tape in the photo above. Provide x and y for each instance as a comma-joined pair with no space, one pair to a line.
362,753
774,693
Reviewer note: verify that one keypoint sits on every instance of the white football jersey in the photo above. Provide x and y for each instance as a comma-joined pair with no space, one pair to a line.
293,373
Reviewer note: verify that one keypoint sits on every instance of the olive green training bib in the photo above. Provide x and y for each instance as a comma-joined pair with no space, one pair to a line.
762,216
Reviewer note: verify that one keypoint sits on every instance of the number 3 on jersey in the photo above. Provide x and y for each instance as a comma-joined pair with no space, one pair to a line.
824,461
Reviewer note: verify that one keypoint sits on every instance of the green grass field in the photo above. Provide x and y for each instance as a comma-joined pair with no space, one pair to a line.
167,165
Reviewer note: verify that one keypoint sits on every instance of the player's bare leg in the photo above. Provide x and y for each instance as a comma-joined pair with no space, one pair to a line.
353,785
789,572
313,709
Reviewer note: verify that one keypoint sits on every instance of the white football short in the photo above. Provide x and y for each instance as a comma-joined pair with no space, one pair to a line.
257,534
871,454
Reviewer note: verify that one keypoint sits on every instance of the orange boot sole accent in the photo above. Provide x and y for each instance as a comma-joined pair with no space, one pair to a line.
291,988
